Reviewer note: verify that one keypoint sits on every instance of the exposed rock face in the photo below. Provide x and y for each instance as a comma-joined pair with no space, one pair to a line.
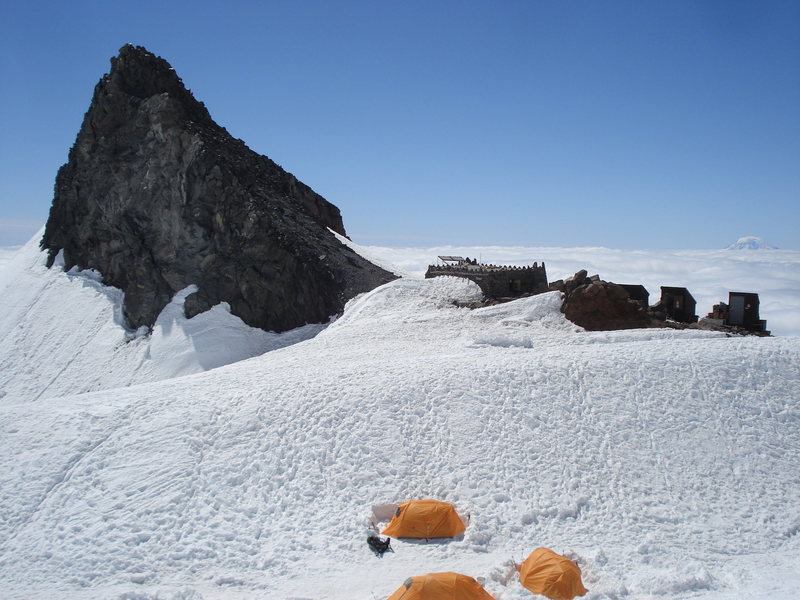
598,305
156,196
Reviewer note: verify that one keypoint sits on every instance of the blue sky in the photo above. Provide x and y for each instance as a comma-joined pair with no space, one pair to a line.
622,124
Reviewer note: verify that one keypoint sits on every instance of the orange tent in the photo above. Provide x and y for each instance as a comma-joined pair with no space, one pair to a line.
555,576
425,519
441,586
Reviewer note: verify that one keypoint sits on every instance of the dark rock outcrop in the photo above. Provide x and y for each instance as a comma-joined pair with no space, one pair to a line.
598,305
157,196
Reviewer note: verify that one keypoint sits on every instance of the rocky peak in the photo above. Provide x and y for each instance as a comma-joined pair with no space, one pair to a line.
137,73
157,196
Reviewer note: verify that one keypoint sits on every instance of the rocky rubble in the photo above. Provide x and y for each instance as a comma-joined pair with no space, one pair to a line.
598,305
157,196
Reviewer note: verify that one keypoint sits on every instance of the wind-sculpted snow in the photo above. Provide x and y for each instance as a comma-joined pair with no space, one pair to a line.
664,462
63,333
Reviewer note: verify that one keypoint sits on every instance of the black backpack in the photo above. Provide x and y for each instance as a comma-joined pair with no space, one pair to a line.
377,545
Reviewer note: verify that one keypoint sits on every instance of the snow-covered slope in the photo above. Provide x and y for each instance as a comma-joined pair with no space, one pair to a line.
664,462
62,333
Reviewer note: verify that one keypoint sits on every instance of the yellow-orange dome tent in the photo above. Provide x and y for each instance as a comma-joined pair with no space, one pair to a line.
552,575
441,586
425,519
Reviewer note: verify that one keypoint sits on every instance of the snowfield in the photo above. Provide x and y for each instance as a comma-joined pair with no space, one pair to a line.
62,333
664,462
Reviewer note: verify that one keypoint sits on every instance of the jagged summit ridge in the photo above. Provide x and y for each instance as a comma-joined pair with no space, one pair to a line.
157,196
142,74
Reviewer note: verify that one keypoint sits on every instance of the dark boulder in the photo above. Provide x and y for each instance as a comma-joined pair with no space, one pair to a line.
157,196
598,305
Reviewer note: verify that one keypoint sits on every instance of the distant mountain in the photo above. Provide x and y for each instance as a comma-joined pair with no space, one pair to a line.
750,242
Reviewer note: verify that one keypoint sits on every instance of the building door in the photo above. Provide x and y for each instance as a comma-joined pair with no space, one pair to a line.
736,315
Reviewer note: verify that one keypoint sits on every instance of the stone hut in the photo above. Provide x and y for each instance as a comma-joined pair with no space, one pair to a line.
495,281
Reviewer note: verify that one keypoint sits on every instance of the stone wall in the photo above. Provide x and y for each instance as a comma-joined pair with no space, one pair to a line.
497,282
